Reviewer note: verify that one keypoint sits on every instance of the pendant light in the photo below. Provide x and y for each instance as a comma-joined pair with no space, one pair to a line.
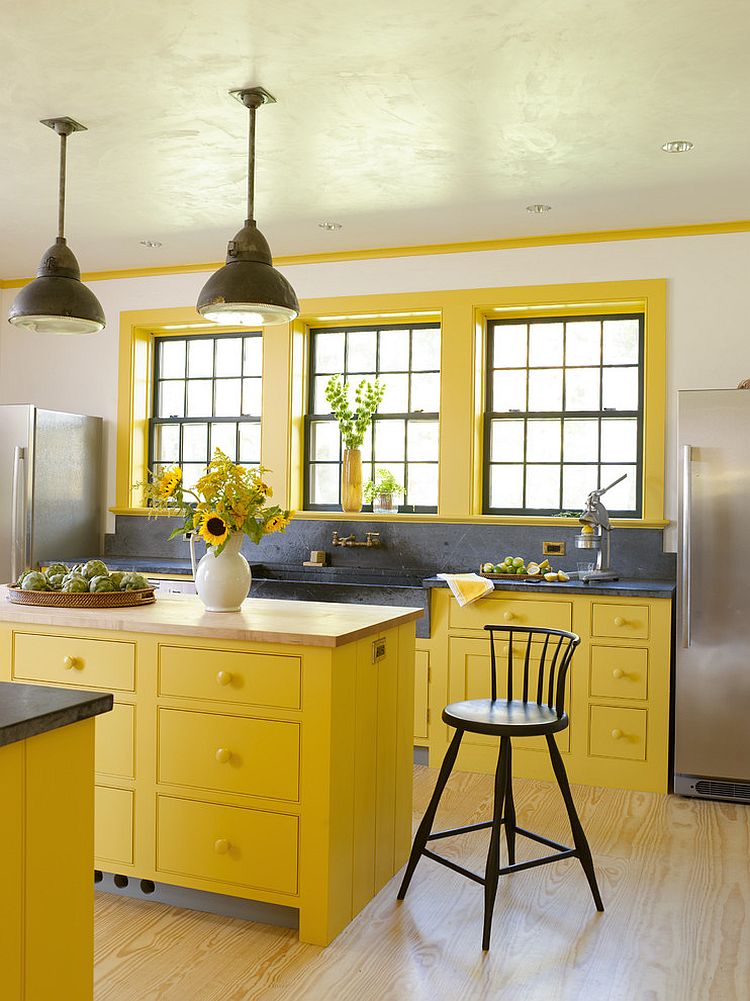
57,301
248,290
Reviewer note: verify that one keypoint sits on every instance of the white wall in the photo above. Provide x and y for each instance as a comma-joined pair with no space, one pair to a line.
707,303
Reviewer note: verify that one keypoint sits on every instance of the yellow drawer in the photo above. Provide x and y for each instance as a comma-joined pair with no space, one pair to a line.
228,676
497,611
617,733
421,689
113,825
227,844
69,660
253,757
619,672
619,621
115,742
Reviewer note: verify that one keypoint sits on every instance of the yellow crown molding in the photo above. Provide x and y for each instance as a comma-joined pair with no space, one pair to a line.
418,250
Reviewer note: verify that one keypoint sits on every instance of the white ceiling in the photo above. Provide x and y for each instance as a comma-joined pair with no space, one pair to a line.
408,121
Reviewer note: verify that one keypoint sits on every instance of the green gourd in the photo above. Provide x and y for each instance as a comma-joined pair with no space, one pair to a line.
100,583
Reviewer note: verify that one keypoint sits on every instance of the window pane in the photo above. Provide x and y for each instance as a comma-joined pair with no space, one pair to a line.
192,472
171,399
543,487
580,441
229,356
621,342
619,441
621,497
508,391
545,344
200,398
320,403
398,470
422,485
252,393
390,441
578,482
425,393
506,486
329,352
194,442
583,342
325,440
394,350
545,389
228,397
422,440
425,350
396,396
543,441
366,447
363,351
620,389
324,488
200,358
172,359
250,444
582,389
253,356
509,350
224,436
167,443
506,441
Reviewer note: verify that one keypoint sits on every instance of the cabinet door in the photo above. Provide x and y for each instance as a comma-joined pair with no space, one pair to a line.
11,869
421,693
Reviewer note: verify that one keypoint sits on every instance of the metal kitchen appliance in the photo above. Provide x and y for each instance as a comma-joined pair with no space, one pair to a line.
595,517
50,487
712,658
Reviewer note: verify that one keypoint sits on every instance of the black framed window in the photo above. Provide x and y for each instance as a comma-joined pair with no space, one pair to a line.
404,436
564,413
207,393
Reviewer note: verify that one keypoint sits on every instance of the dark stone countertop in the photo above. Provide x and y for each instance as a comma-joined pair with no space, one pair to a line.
624,588
28,710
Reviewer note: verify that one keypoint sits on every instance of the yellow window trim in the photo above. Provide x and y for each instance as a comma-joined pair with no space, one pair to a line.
462,315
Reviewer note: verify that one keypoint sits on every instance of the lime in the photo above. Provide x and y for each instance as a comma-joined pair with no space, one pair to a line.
500,568
517,561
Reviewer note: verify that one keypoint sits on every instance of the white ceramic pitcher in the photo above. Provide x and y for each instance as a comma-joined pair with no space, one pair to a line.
222,581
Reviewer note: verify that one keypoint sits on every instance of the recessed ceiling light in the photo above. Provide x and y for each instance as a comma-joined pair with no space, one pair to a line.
330,226
151,244
538,208
677,146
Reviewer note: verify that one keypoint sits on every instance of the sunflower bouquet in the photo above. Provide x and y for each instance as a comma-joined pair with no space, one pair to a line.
227,499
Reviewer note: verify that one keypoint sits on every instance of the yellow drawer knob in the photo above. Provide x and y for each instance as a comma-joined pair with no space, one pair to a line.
619,621
618,673
508,616
70,662
616,734
221,846
223,754
224,678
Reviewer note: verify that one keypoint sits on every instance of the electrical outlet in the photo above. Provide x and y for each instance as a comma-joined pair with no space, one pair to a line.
553,549
378,650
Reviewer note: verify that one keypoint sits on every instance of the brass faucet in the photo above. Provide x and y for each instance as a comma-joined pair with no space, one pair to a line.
372,539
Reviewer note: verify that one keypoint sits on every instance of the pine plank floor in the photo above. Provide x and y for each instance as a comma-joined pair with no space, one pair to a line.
674,875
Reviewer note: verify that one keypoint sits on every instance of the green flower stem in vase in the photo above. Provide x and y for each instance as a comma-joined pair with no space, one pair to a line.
353,425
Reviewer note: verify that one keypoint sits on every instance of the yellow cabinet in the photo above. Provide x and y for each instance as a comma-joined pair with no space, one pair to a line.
503,611
623,622
216,675
615,732
619,672
421,689
73,660
113,825
115,742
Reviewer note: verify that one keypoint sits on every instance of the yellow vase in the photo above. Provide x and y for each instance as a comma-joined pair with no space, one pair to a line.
351,480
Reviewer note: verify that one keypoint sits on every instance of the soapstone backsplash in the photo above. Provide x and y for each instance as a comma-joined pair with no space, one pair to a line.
407,547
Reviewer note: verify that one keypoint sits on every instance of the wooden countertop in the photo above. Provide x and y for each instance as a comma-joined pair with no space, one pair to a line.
261,620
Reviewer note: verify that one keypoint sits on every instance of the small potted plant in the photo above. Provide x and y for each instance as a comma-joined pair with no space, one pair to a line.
353,425
383,491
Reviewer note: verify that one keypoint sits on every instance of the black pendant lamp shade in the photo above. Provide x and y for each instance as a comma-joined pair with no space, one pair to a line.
248,290
57,301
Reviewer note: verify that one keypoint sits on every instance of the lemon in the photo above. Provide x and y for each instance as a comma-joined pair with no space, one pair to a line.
544,565
587,530
561,575
533,569
551,576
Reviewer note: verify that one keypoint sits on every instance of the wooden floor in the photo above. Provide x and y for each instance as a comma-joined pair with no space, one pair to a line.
674,875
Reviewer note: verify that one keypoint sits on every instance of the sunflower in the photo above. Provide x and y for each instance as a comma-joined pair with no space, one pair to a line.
214,530
277,523
169,481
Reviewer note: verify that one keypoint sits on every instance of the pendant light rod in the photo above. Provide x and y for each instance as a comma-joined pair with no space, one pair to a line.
253,98
63,127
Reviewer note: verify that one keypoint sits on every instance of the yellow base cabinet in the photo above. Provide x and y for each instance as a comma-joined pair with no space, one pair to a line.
618,686
280,772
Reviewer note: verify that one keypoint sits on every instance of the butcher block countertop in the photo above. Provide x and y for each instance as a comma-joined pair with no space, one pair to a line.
261,620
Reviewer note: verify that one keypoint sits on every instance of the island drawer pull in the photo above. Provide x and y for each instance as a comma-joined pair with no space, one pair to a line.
223,755
224,678
221,846
617,734
508,616
619,621
71,662
618,673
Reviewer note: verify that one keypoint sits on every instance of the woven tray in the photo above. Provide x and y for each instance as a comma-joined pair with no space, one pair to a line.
511,576
84,599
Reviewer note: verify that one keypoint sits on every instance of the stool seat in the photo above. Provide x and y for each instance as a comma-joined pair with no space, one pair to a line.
502,718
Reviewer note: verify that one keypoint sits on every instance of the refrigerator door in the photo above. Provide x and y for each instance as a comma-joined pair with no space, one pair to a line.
65,516
15,423
712,683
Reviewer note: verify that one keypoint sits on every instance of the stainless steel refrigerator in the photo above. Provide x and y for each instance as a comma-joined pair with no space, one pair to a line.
712,669
49,488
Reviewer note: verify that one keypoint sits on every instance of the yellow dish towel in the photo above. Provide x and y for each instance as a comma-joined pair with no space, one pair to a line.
467,587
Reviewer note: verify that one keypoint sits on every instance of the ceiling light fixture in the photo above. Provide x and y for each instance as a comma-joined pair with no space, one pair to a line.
538,207
151,244
677,146
248,290
330,227
57,301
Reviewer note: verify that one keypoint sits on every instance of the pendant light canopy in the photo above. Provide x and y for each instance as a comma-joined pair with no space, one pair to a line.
57,301
248,290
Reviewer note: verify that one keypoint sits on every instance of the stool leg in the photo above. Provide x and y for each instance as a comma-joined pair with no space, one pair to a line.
509,808
579,838
425,826
492,869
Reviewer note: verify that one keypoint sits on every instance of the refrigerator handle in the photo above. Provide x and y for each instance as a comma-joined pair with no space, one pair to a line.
685,546
18,491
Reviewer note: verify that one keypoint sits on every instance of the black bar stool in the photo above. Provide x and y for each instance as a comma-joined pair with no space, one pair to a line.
545,654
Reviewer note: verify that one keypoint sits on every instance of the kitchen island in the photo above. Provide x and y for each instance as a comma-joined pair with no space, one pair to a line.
264,754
